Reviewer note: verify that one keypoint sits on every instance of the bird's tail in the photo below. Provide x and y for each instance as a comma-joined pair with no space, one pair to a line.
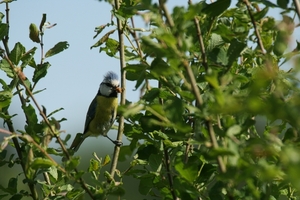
79,138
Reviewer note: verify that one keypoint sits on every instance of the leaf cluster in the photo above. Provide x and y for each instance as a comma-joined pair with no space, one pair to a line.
203,139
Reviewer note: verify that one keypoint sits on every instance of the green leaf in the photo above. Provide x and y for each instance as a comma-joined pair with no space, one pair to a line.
155,161
28,58
259,15
39,163
34,33
283,3
1,16
144,152
234,51
32,126
212,79
216,8
72,164
3,30
280,45
159,67
111,47
146,184
12,185
99,29
106,160
94,165
17,53
40,71
53,172
219,55
233,130
103,39
5,98
188,171
59,47
215,41
136,72
5,66
3,155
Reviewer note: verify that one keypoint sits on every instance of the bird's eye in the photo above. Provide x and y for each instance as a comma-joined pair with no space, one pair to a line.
108,84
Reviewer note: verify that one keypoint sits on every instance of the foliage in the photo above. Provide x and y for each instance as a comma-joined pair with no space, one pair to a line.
193,135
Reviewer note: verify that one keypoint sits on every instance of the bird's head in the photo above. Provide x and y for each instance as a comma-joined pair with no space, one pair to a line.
110,86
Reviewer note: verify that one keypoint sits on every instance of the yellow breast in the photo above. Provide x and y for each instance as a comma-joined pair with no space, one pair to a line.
106,111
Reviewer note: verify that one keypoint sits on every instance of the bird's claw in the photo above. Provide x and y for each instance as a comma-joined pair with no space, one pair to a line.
118,143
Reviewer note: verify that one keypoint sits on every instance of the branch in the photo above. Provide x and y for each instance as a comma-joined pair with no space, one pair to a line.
133,33
166,13
170,178
21,78
297,6
259,41
9,123
5,39
196,91
123,96
200,38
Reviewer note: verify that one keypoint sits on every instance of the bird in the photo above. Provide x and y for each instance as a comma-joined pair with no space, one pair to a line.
102,111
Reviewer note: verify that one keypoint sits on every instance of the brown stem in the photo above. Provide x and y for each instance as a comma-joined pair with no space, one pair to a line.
9,123
133,33
123,96
168,168
197,92
200,38
259,40
297,6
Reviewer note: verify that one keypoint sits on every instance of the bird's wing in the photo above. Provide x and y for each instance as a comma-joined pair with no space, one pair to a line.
90,114
113,115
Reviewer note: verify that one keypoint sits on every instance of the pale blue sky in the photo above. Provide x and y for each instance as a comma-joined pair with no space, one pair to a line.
74,77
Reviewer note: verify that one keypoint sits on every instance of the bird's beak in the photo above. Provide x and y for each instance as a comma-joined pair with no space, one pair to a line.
119,90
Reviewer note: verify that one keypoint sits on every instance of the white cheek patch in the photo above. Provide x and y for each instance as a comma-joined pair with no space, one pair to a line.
115,82
105,90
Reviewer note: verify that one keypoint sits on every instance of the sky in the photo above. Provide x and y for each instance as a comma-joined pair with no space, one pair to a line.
75,74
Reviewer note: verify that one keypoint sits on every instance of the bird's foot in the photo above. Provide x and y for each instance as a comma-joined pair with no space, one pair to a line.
118,143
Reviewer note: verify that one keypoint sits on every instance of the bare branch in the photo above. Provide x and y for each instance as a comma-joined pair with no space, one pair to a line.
259,41
297,6
123,94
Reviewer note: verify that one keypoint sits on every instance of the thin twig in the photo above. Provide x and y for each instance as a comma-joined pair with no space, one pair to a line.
5,39
167,157
170,22
200,38
133,33
297,6
31,185
259,40
196,91
123,96
166,13
9,123
168,168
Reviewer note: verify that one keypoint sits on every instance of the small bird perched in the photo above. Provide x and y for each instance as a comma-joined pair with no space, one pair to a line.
102,111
